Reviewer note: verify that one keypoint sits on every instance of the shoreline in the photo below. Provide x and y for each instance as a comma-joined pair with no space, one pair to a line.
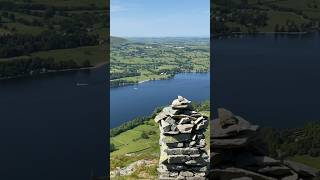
217,36
57,71
149,116
143,81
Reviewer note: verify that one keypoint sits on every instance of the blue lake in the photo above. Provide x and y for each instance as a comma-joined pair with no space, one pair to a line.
51,128
269,80
129,102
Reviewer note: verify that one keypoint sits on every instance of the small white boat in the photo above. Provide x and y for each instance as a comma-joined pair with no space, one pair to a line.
82,84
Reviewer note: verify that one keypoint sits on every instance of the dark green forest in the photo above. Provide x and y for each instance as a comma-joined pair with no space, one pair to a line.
254,16
291,142
29,28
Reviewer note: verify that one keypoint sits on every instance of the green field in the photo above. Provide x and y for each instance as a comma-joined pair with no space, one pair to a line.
95,54
307,160
130,141
136,60
132,147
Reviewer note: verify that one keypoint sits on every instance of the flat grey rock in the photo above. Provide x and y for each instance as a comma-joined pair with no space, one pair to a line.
160,117
185,120
169,110
302,169
278,171
266,161
231,172
242,178
229,143
185,128
293,176
176,138
171,132
186,173
232,130
183,151
180,103
178,159
170,120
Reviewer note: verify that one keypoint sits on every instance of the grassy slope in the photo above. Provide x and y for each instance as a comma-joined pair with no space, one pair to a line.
95,54
117,40
307,160
130,142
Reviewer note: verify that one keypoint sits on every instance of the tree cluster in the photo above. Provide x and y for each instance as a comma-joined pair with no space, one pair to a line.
31,66
291,142
18,45
128,125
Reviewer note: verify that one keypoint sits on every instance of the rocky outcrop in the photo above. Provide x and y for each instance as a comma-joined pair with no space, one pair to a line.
237,153
182,142
126,171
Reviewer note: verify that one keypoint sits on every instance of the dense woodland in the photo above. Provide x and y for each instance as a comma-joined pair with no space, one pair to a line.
52,27
290,142
18,45
252,16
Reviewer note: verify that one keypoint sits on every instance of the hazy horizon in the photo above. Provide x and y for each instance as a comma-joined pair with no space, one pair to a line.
205,36
166,18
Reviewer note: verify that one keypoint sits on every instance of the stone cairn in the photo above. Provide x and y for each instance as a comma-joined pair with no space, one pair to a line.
182,142
238,154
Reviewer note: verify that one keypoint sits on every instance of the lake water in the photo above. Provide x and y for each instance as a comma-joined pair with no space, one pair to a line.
270,81
129,102
53,129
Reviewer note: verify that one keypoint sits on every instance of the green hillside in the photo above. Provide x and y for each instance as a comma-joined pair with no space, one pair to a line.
307,160
142,143
114,41
250,16
131,146
41,35
301,144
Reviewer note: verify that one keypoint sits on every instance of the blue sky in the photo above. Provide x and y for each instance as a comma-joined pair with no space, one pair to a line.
160,18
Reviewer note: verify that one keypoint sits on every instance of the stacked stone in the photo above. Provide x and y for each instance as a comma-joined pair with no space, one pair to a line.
237,152
182,142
